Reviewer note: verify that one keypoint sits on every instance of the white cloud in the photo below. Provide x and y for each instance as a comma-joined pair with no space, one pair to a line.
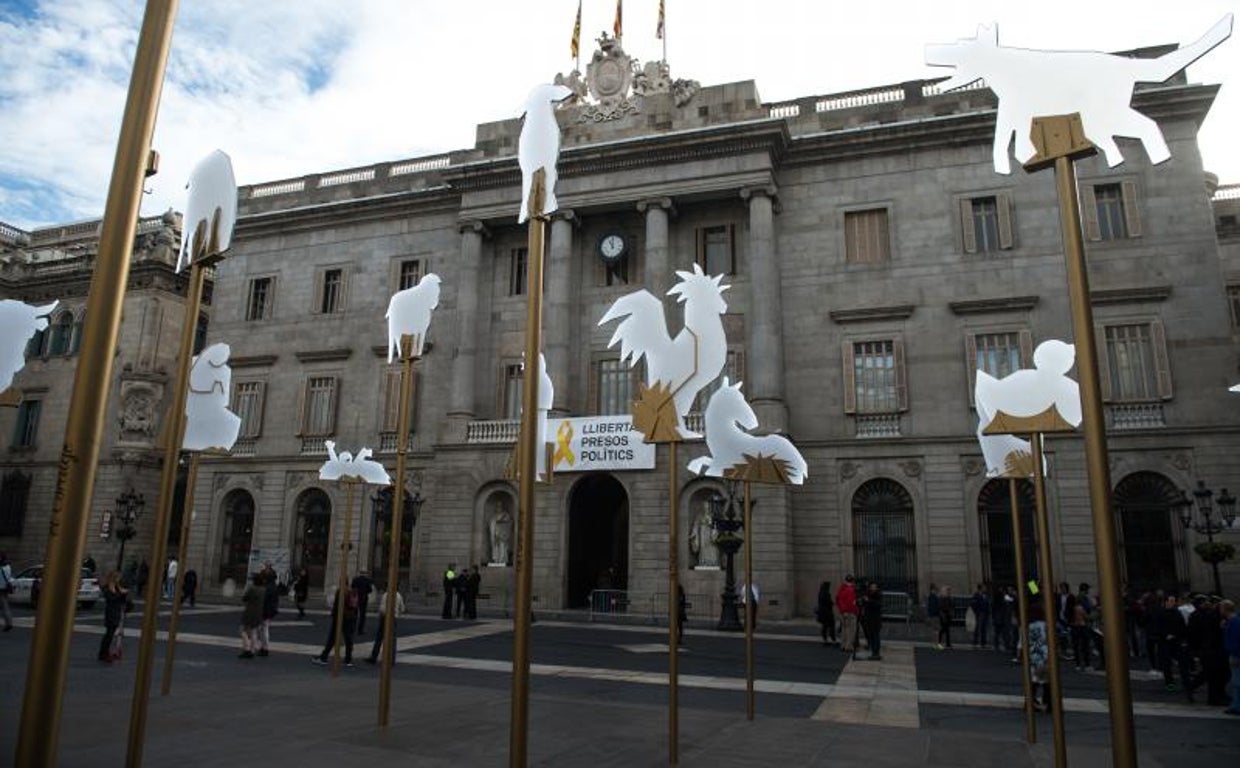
289,88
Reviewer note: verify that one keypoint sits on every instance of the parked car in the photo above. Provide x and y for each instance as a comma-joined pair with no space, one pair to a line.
26,587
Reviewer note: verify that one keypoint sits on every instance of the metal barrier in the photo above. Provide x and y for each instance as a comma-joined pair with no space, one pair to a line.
898,606
608,601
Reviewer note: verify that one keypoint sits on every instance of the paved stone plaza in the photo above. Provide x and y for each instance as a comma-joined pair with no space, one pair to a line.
598,698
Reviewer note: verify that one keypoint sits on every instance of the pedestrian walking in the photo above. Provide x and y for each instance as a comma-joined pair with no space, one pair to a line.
115,603
1002,608
1172,633
189,587
1205,644
449,588
251,615
460,588
377,646
846,602
6,589
1231,644
144,575
348,624
364,586
301,590
271,608
944,639
1039,654
170,578
682,613
825,613
872,620
473,583
751,596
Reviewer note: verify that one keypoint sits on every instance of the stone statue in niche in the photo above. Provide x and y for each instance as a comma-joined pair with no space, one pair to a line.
701,542
500,530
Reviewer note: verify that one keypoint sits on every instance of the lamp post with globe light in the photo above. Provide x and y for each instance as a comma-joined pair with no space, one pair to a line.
1204,502
728,539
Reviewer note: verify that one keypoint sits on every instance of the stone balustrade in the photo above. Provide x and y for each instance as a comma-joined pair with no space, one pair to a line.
1135,416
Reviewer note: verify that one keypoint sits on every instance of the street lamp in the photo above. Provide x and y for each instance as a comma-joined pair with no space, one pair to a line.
1208,524
128,508
727,527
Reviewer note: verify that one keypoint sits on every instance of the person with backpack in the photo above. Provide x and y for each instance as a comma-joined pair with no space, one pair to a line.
348,624
115,603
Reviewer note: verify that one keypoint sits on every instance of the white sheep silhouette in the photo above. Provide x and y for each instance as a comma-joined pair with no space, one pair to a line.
409,313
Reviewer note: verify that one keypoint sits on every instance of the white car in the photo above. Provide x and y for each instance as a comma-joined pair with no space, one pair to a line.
26,587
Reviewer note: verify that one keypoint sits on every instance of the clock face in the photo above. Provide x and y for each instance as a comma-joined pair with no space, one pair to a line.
611,247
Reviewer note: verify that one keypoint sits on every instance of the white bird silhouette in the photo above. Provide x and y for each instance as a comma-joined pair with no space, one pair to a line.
539,144
346,465
1031,391
19,322
213,204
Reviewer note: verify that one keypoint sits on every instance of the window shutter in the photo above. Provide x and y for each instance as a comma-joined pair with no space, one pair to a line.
413,397
1162,361
342,300
1132,215
884,235
1026,348
302,405
1104,361
966,225
1006,235
259,404
391,400
270,307
897,350
850,378
970,357
317,307
1089,213
699,248
332,402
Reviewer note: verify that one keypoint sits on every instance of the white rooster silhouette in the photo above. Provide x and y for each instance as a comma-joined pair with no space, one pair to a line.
687,363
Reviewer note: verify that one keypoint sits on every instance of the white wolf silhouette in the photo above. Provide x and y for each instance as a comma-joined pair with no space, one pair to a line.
1099,86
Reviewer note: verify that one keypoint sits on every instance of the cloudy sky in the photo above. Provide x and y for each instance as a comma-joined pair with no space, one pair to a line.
289,87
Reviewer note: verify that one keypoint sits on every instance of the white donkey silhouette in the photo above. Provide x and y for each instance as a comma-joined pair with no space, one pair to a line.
539,145
1099,86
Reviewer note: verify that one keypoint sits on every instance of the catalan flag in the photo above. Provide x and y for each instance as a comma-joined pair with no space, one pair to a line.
576,44
658,31
618,27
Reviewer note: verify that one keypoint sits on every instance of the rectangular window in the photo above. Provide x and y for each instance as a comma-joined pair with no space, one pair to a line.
262,298
513,384
319,412
867,237
733,368
1109,211
27,423
390,416
716,251
986,223
517,259
874,377
332,293
14,496
410,274
997,353
1132,366
615,388
1233,304
1109,202
248,405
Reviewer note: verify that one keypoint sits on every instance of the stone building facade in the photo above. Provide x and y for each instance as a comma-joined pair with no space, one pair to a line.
875,260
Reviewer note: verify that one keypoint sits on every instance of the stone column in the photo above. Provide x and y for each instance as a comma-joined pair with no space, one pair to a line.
657,269
465,354
764,347
557,310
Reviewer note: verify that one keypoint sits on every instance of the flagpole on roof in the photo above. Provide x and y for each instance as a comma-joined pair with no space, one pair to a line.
662,30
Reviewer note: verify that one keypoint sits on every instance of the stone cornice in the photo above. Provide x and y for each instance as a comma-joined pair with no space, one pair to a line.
869,314
990,306
253,361
323,355
1138,295
354,210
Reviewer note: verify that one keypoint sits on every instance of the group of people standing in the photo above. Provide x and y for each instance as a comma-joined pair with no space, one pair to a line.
464,586
862,611
261,601
351,603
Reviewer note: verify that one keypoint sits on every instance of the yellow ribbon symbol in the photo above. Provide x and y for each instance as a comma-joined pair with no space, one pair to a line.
563,436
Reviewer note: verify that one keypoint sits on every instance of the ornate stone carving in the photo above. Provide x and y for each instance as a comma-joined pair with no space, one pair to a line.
614,84
1182,462
973,467
911,468
139,410
848,470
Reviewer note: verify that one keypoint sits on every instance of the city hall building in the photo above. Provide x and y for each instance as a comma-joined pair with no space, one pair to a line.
875,262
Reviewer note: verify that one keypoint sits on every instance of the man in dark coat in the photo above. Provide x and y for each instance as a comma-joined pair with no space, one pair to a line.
473,582
347,626
825,613
1172,632
872,620
189,587
364,586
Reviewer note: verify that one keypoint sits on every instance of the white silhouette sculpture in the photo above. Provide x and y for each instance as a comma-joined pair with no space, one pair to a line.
19,322
409,312
539,145
1030,83
209,425
546,399
695,358
212,202
1033,391
727,417
347,466
1234,388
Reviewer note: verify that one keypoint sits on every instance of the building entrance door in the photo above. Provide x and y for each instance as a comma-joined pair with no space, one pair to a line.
598,538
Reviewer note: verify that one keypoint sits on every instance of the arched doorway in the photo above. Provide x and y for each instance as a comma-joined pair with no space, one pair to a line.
312,536
381,536
994,509
598,538
238,528
1149,537
884,545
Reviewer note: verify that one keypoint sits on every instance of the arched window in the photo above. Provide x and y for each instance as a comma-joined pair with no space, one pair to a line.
312,536
1152,540
238,526
994,508
884,546
61,334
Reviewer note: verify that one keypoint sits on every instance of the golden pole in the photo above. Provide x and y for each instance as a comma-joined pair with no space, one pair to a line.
39,730
751,605
187,517
174,433
1048,600
673,608
346,542
518,741
396,521
1119,692
1022,604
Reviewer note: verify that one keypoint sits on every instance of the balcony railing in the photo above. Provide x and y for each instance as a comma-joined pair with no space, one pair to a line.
314,446
243,447
499,431
388,442
878,425
1135,415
